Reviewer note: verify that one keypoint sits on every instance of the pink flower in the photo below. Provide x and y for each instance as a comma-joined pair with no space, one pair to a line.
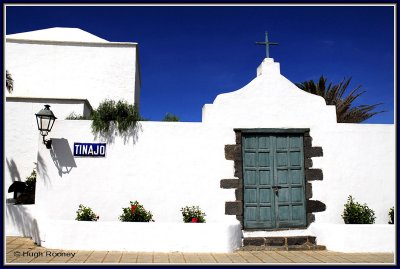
194,219
133,209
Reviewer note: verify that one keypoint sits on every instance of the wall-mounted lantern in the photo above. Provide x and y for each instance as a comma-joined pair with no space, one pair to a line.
45,120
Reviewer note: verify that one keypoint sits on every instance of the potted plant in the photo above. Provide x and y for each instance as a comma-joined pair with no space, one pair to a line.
355,213
193,214
135,213
85,213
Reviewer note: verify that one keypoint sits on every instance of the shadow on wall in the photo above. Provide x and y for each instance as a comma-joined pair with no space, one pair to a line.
13,169
21,221
109,137
42,170
62,155
132,133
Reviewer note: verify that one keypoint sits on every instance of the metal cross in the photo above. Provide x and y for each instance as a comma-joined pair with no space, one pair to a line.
266,44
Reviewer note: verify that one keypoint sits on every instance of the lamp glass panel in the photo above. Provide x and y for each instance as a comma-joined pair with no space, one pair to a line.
38,122
45,123
51,124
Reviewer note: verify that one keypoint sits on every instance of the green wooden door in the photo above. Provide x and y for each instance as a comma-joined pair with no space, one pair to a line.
273,174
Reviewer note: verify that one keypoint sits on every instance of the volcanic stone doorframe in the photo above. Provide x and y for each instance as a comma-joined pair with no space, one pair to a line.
234,153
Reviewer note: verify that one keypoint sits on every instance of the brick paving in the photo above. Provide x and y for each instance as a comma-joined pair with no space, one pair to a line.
20,250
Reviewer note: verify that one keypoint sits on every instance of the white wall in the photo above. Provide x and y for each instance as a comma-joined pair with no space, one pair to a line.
269,101
62,74
356,237
169,165
359,160
165,166
92,71
343,237
20,221
21,134
142,237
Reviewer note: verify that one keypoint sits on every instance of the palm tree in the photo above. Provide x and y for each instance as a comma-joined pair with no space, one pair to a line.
334,95
9,82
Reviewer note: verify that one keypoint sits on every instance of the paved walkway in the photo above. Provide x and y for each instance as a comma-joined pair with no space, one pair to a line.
23,250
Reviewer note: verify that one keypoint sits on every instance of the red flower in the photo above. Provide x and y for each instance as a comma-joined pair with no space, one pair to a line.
194,219
133,209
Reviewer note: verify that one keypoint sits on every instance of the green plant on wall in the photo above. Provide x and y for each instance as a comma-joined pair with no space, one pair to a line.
355,213
28,196
126,115
74,116
391,215
85,213
31,181
170,117
193,214
120,113
135,213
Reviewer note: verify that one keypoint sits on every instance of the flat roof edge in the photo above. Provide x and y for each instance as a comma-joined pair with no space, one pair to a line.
76,43
22,99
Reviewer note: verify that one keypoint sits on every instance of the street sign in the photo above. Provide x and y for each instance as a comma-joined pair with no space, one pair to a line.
89,149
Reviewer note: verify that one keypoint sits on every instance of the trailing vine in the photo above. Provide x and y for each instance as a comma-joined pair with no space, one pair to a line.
120,113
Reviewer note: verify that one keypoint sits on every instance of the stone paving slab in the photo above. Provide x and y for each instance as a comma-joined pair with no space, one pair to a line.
20,250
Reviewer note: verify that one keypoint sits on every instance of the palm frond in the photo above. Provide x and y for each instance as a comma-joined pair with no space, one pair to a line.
346,112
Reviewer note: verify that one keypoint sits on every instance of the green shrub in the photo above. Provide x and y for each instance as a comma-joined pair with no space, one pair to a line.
74,116
121,113
193,214
135,213
31,181
86,214
170,117
28,196
391,215
355,213
126,115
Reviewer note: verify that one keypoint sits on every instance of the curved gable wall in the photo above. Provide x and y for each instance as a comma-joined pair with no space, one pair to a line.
269,99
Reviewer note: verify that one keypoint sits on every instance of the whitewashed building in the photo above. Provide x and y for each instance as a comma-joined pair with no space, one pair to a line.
69,69
267,163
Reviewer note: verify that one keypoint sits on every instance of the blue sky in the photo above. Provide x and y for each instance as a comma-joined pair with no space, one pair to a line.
189,54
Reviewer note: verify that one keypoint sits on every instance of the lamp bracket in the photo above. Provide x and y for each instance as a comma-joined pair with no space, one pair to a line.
47,143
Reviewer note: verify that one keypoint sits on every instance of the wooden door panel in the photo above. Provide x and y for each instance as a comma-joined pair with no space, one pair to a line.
290,202
296,177
281,159
250,177
282,177
295,158
266,178
273,174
